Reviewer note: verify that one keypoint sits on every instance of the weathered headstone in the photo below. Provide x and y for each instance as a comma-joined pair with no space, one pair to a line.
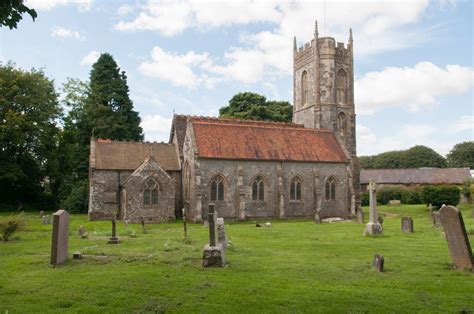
142,222
46,220
114,239
185,226
81,230
268,225
436,219
221,236
59,243
380,219
394,202
77,255
360,215
41,213
213,254
378,263
407,225
430,207
456,235
317,217
373,227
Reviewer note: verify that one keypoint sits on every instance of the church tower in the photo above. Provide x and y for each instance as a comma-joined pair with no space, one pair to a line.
323,87
323,94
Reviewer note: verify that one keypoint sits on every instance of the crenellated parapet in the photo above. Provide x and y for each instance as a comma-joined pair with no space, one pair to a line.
304,54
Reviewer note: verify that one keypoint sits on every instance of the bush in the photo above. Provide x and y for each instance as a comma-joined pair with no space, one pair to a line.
77,200
384,195
364,198
437,195
412,196
10,225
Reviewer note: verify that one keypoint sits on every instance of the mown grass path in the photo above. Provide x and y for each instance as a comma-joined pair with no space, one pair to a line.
294,266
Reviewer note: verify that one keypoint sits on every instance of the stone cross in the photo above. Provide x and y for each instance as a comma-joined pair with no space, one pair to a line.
185,227
378,263
114,239
407,225
221,236
373,227
59,243
212,228
458,241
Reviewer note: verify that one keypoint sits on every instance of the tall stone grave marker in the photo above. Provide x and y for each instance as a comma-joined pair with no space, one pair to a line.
59,243
185,226
221,236
360,215
373,227
407,225
213,254
114,239
456,235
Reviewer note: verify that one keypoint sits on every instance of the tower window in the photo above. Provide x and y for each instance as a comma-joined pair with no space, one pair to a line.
342,125
330,189
217,188
150,193
295,189
341,87
304,89
258,189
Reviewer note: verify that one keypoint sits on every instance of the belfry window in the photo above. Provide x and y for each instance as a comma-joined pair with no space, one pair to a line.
295,189
330,189
217,188
150,193
258,189
304,89
341,87
342,125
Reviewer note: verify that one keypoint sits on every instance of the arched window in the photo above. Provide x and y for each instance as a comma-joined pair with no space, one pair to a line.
330,189
304,89
341,86
342,125
187,181
258,189
150,193
217,188
295,189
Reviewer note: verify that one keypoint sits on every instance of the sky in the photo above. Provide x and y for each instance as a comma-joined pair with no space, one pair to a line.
413,60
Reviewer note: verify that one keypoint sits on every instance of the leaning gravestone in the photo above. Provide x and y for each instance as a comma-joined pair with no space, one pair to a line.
59,246
221,236
407,225
456,235
213,254
373,227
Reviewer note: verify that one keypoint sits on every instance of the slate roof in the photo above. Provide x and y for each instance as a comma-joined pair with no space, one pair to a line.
416,176
118,155
179,125
257,140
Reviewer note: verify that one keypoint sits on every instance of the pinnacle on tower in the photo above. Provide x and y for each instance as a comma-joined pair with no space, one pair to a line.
294,44
316,33
350,35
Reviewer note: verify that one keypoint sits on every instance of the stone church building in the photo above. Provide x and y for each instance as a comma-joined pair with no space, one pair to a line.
248,169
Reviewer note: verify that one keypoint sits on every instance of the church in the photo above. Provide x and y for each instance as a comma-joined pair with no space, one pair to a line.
247,169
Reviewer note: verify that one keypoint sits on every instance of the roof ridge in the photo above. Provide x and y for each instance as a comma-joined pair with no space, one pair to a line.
108,141
256,125
246,121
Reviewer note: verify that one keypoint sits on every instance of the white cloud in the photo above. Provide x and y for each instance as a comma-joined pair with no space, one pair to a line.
180,70
125,9
410,88
464,123
47,5
90,58
63,32
156,128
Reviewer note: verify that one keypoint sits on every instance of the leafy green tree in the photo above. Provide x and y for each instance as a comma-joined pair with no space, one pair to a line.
393,159
11,12
254,106
462,155
422,156
29,112
366,162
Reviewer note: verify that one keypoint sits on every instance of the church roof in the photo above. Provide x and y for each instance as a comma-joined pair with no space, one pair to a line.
416,176
118,155
259,140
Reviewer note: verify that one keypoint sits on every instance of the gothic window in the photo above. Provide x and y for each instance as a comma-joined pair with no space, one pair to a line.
295,189
304,89
217,188
342,125
341,87
258,189
187,181
150,193
330,189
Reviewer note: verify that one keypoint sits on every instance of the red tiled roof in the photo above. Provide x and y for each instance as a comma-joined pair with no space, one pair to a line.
258,140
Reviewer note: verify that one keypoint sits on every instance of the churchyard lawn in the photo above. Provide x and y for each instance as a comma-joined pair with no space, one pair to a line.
294,266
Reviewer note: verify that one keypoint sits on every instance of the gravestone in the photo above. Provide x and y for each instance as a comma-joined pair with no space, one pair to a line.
456,235
114,239
46,220
185,226
380,220
430,207
59,243
142,222
213,254
407,225
394,202
317,217
436,219
378,263
81,230
360,215
221,236
77,255
373,227
41,213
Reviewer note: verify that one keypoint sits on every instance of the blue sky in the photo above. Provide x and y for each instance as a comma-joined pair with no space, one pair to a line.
413,59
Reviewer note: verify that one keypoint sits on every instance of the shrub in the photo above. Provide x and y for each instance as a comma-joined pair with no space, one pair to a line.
412,196
10,225
364,198
384,195
76,202
437,195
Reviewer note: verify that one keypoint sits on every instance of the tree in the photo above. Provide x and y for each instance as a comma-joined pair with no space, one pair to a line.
254,106
11,12
29,112
462,155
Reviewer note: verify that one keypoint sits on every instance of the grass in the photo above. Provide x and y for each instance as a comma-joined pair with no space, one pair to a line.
294,266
